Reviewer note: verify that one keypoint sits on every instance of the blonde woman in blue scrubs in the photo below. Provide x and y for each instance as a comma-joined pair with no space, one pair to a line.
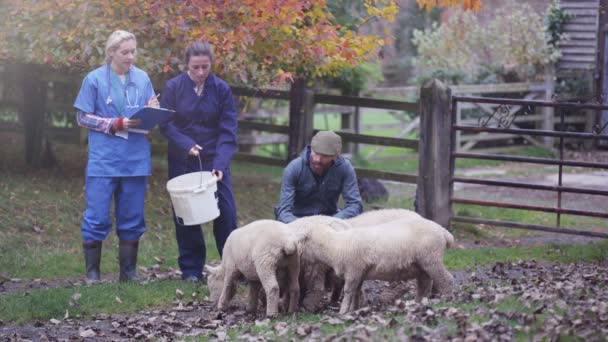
119,161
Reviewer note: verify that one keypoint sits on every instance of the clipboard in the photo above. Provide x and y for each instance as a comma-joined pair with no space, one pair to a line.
150,117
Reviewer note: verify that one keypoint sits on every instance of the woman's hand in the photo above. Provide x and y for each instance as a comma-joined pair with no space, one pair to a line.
194,151
153,102
217,173
130,123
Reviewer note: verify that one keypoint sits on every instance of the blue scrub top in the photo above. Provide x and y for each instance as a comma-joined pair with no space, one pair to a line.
109,155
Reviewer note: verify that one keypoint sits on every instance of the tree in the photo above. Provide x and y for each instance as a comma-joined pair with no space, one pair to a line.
474,5
257,42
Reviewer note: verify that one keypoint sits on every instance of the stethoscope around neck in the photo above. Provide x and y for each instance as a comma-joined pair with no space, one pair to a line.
129,104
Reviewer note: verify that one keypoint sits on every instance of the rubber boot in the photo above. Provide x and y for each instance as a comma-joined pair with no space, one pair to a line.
92,258
127,257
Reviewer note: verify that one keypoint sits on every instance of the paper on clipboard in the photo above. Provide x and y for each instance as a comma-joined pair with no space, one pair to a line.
150,117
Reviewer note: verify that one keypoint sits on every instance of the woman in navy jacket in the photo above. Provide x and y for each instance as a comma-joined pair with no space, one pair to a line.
204,125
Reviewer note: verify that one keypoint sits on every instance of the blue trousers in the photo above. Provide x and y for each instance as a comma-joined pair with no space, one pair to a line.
129,197
190,239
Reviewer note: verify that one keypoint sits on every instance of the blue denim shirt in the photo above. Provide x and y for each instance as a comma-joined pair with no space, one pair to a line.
302,194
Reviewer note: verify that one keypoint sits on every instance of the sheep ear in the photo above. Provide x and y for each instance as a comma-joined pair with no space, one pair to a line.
209,269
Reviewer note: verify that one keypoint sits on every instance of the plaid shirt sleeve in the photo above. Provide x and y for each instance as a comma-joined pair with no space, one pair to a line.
95,122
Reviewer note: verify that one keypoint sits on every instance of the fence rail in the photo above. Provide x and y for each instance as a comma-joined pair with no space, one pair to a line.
496,124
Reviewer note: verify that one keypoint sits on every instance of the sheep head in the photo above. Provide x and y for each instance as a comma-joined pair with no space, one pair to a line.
215,282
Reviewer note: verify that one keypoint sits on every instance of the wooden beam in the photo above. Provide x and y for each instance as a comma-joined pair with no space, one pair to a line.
366,102
434,187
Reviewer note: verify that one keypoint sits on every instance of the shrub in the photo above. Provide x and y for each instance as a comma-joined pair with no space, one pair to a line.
513,46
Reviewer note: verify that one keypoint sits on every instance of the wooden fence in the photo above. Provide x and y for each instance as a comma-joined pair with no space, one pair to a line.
431,112
471,112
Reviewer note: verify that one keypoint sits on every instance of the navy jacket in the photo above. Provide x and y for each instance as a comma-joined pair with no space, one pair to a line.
209,120
302,195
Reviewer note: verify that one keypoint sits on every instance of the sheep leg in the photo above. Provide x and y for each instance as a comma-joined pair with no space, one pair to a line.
442,280
229,288
351,285
357,299
294,282
338,285
270,283
423,286
254,290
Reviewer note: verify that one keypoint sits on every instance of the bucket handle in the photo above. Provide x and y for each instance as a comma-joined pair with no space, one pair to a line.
202,187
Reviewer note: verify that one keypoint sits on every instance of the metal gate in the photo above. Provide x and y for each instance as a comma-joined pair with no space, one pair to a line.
503,120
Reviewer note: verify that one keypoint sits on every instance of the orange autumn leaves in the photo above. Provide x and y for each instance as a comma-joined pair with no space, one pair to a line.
257,42
473,5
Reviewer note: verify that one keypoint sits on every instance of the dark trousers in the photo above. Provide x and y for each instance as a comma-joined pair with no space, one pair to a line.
190,239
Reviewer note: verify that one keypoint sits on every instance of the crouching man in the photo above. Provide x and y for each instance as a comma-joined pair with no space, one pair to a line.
313,182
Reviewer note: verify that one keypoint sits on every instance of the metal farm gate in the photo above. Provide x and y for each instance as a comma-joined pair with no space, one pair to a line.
502,119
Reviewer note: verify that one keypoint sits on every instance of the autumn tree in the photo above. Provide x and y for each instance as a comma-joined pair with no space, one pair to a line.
473,5
257,42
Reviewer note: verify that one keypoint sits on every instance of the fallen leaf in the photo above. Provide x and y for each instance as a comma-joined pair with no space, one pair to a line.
87,333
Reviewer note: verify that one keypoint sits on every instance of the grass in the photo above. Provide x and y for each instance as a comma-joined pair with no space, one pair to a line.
108,298
460,259
41,211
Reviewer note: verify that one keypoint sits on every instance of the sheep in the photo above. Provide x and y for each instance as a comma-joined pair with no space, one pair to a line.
375,217
316,277
383,252
312,272
365,220
262,252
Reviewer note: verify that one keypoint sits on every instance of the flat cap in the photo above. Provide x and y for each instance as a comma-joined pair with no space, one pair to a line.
326,142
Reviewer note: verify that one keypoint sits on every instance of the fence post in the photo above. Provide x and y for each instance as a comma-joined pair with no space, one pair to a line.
346,125
301,103
434,190
548,112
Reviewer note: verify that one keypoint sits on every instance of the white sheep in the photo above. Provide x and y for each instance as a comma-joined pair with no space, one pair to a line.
397,250
261,252
312,273
317,277
375,217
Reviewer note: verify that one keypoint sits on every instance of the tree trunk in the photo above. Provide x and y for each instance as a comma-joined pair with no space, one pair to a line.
38,150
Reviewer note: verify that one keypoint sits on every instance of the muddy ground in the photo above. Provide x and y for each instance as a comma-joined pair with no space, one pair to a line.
574,297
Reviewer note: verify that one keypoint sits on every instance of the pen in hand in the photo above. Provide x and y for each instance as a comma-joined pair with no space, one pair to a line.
153,101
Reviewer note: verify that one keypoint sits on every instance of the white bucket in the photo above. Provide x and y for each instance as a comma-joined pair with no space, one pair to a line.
193,197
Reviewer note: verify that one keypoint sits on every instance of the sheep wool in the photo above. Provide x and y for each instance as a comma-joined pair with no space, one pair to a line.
267,254
410,248
313,273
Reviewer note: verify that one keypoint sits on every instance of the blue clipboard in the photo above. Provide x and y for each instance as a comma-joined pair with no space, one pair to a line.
150,117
